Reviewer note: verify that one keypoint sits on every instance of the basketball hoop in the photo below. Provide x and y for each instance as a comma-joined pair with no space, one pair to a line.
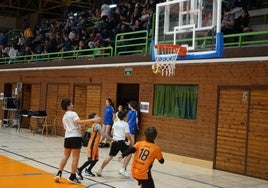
165,58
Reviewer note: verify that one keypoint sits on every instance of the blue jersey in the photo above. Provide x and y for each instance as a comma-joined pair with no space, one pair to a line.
108,115
131,119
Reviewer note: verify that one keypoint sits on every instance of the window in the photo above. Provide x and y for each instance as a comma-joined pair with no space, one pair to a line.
175,101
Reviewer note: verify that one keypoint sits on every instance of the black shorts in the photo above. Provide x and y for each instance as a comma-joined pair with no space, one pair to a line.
118,146
149,183
73,142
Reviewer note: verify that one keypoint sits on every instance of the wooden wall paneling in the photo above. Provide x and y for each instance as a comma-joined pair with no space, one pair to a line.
63,92
35,106
26,97
51,99
51,102
80,97
231,132
87,100
54,95
257,158
93,102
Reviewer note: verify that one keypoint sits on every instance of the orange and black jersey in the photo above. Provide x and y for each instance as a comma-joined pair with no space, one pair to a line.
145,154
93,143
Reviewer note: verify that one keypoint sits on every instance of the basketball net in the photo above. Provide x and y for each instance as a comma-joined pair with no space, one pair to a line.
165,58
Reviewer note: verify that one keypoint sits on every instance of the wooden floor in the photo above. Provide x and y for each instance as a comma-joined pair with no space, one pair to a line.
30,161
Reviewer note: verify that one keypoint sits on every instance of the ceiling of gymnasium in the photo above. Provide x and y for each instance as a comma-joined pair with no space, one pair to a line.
16,8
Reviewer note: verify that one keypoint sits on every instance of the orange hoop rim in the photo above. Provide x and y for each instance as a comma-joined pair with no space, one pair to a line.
167,46
181,50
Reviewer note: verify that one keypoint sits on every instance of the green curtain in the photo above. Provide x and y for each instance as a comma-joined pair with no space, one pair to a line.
175,101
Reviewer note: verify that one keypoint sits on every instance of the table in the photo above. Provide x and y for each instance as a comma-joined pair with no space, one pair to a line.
31,114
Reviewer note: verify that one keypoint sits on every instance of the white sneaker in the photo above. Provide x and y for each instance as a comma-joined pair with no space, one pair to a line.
57,178
124,172
98,173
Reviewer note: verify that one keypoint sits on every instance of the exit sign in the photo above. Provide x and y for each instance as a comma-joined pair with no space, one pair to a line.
128,71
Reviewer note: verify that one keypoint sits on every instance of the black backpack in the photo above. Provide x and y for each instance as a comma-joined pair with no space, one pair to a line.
86,138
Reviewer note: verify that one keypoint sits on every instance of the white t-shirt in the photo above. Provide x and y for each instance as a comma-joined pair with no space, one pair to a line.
71,129
105,10
120,129
13,53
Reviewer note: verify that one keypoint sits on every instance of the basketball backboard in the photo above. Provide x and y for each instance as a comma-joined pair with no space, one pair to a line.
191,23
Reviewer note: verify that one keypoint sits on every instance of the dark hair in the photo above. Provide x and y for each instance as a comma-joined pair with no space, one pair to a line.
133,104
150,134
110,101
121,114
245,11
65,103
92,115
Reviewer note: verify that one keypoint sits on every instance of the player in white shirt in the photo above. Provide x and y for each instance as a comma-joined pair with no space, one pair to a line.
73,139
120,132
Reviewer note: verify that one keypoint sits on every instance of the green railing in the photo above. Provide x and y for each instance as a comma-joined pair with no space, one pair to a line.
138,42
231,40
57,56
131,43
249,38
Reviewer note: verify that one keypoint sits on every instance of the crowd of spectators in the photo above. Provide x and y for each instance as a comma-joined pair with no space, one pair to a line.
81,30
230,23
97,27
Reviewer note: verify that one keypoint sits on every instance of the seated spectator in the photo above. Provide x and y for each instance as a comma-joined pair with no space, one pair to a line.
206,21
151,4
67,46
45,25
53,43
82,46
28,35
136,26
12,53
96,41
241,23
3,39
67,43
28,52
84,35
105,10
146,19
21,41
123,42
227,22
74,37
121,28
38,39
81,24
5,50
1,50
93,38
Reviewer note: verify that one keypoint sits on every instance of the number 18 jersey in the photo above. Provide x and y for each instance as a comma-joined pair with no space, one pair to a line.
146,153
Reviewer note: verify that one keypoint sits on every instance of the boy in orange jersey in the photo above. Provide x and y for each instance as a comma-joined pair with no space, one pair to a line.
93,148
145,154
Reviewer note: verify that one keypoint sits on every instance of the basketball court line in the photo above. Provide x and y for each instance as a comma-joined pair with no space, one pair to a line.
44,152
105,183
17,174
4,162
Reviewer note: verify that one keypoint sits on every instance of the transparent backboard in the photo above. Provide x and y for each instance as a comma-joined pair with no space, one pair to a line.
191,23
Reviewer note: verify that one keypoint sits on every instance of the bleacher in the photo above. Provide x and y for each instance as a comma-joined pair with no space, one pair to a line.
139,43
259,19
